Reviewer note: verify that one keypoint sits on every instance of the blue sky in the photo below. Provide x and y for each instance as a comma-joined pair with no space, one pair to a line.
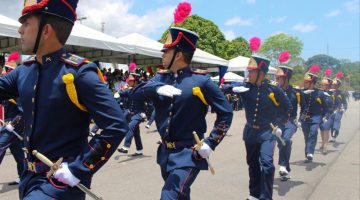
324,26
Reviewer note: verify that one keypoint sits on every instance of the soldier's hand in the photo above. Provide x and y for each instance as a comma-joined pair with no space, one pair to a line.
9,127
168,90
324,119
240,89
308,91
64,175
205,150
278,132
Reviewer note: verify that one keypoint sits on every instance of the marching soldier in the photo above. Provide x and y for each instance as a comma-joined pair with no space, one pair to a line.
135,116
60,93
340,106
181,98
329,116
262,102
314,111
287,125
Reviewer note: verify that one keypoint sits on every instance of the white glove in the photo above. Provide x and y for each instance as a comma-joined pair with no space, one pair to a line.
64,175
299,124
240,89
9,127
168,90
342,110
308,91
324,119
327,94
116,95
278,132
205,150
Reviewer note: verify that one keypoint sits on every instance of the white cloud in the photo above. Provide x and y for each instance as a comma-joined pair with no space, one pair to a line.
304,28
277,20
118,19
352,6
333,13
239,21
229,35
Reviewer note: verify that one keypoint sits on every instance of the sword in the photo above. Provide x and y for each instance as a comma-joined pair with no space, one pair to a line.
14,132
55,166
274,133
199,143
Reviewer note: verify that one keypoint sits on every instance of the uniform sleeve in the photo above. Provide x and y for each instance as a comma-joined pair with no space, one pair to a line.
325,105
344,102
284,102
104,110
147,91
223,110
8,85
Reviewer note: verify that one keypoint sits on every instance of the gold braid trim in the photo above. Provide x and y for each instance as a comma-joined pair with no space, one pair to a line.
333,99
272,98
319,100
101,77
298,97
197,92
68,79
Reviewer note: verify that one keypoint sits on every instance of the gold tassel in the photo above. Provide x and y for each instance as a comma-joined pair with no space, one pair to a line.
272,98
68,79
298,97
319,100
12,101
197,92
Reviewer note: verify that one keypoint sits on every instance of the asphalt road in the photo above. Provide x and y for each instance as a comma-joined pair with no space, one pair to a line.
331,176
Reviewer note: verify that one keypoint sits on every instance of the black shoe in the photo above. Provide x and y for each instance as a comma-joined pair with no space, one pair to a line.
122,150
13,183
137,154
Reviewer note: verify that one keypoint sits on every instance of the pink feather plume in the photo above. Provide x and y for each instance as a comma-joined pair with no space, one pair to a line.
14,56
327,72
132,67
255,44
339,75
181,12
314,69
284,56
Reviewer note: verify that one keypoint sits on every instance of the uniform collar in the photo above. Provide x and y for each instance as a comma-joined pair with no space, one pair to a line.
185,70
53,57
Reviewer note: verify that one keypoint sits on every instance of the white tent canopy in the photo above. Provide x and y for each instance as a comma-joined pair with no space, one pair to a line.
230,77
83,41
142,45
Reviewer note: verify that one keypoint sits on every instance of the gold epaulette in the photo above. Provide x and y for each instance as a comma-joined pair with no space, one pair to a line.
273,99
197,92
73,60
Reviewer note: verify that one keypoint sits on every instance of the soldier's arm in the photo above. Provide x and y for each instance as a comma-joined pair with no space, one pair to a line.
8,85
284,101
104,110
325,106
224,113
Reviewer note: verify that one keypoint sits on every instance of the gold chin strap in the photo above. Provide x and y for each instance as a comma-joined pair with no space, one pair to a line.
273,99
298,97
68,79
197,92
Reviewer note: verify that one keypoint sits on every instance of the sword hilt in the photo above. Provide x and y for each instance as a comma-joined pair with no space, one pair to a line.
274,132
53,166
199,143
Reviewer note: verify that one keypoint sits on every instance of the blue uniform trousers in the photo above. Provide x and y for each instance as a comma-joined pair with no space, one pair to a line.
335,128
310,131
285,151
134,132
259,157
178,182
8,139
38,187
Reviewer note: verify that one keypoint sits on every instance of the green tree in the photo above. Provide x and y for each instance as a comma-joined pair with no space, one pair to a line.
275,44
211,39
237,47
324,61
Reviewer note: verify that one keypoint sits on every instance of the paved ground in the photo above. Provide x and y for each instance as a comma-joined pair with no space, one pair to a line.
334,176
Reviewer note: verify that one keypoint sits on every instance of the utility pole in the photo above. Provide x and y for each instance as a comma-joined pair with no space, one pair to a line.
103,27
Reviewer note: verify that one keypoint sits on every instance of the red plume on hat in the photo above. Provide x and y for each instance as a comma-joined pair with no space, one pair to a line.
132,67
181,12
327,72
14,56
254,44
314,69
284,56
339,75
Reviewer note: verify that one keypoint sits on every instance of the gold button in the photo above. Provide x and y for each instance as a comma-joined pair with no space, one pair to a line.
257,99
169,121
258,93
30,126
108,146
33,100
255,115
103,158
257,104
254,120
167,130
170,113
91,166
171,105
34,87
256,109
33,113
27,138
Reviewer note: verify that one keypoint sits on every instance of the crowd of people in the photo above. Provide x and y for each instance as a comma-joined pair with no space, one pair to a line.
51,99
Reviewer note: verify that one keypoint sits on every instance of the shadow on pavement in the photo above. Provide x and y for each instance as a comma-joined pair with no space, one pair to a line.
337,144
283,187
308,166
126,158
6,188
